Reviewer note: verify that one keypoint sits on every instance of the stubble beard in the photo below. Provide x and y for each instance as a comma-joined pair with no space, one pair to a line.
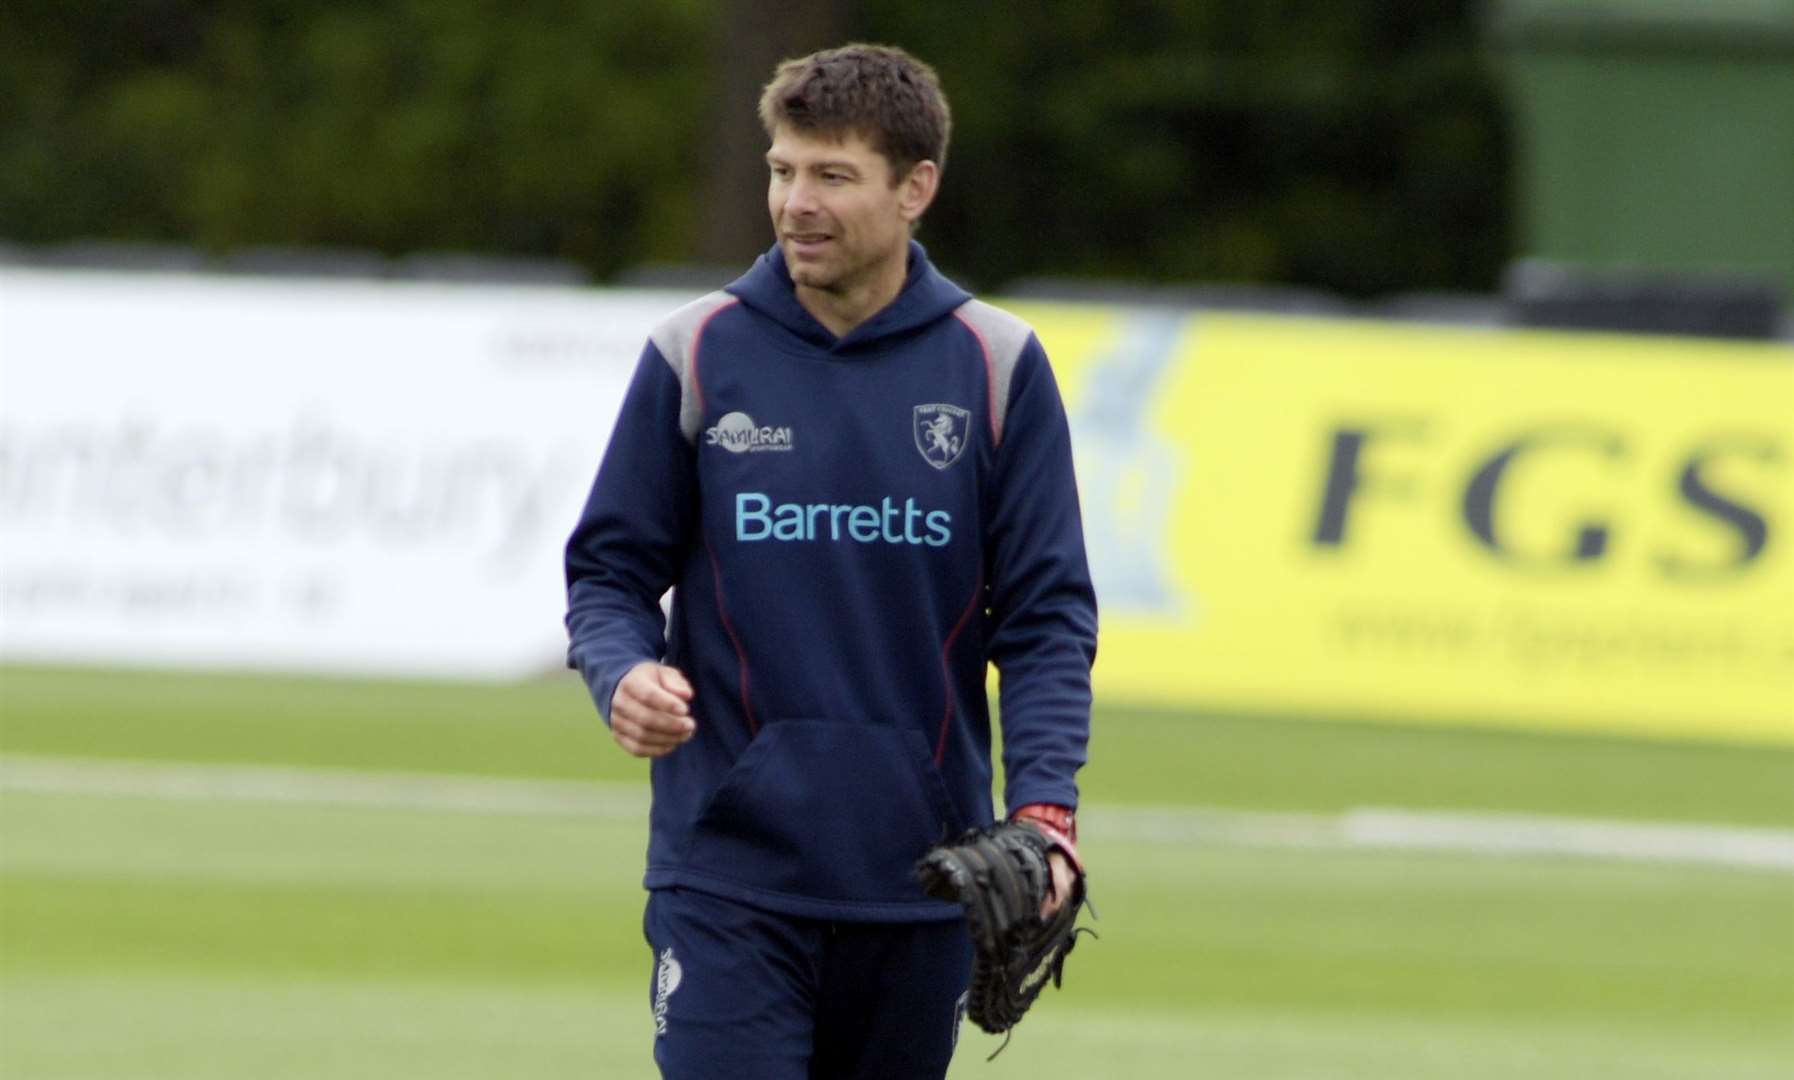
844,271
833,275
813,277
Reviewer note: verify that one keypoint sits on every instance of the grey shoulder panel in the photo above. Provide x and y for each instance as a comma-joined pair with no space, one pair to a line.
676,338
1003,337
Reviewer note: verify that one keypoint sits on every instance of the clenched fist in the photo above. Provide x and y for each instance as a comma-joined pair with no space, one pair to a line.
650,714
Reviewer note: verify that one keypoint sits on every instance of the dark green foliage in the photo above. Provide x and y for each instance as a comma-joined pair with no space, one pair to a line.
1352,145
562,129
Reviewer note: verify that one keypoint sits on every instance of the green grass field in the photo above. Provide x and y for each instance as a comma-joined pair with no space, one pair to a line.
170,935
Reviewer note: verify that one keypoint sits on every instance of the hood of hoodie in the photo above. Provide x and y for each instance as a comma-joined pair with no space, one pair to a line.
926,297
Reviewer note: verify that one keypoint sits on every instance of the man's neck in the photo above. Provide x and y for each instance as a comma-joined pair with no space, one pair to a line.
839,311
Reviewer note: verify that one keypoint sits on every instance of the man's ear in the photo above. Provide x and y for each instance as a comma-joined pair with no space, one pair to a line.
916,190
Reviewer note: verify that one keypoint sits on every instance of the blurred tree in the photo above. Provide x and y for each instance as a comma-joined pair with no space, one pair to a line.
557,128
1349,144
748,39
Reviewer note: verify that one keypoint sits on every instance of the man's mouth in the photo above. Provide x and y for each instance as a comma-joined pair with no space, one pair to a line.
807,243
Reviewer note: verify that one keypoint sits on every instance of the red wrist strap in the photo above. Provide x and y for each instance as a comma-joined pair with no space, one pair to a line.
1059,823
1061,818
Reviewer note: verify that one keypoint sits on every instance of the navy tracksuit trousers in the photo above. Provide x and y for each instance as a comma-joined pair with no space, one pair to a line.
746,994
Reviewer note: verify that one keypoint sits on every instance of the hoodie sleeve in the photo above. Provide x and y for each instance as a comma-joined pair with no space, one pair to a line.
626,550
1043,607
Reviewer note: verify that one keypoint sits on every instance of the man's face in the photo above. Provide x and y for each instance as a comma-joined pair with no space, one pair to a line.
838,217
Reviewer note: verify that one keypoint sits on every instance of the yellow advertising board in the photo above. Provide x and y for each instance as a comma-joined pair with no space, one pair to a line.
1383,521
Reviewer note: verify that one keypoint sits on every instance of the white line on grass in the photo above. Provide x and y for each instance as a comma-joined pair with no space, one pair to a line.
326,787
1481,833
1364,828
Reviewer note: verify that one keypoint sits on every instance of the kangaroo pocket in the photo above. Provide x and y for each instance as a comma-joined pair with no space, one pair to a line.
830,811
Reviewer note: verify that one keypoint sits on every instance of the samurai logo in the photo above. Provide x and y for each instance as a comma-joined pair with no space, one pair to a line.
942,432
666,980
738,434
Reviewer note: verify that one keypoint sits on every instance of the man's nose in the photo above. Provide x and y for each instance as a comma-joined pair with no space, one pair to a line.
800,198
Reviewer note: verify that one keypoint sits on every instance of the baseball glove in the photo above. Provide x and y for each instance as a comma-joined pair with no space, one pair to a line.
1001,875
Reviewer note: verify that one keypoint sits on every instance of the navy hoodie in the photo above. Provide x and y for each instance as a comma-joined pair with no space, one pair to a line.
852,528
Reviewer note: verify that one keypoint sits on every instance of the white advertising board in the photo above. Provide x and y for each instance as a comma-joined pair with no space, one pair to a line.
299,475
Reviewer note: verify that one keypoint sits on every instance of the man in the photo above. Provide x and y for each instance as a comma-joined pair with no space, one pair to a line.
857,480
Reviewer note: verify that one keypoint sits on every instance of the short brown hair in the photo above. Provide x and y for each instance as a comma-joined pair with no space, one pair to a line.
879,92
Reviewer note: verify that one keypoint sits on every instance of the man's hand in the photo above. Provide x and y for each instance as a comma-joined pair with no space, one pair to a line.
650,714
1063,878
